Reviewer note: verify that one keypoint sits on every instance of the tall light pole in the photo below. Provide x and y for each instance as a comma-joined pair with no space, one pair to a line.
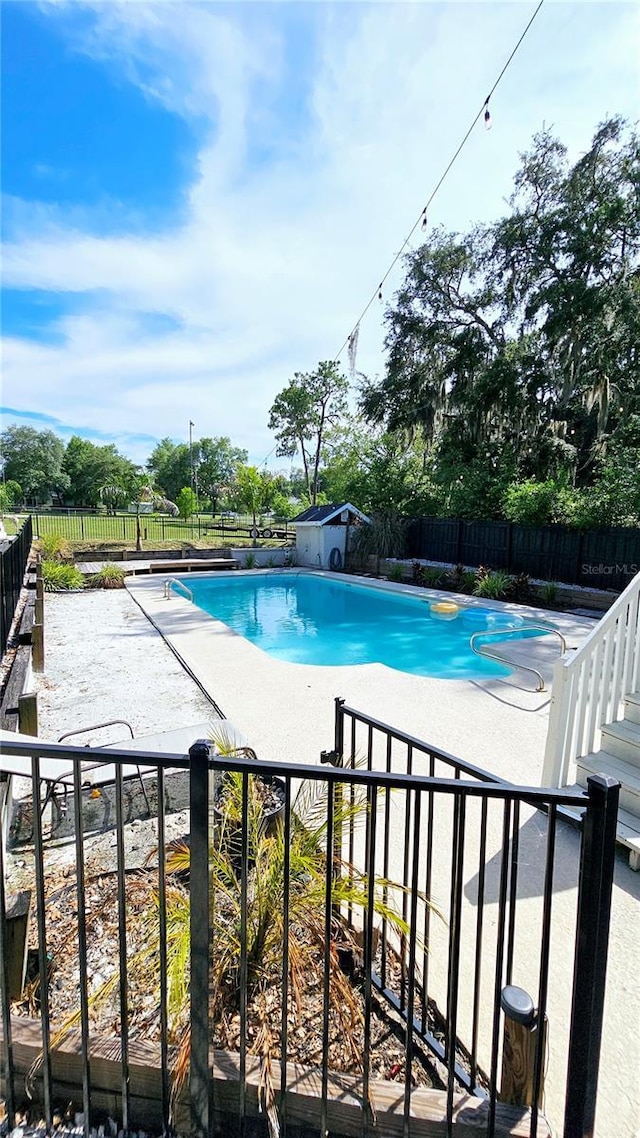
191,426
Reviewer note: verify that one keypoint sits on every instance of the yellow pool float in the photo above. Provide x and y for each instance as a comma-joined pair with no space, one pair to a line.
444,610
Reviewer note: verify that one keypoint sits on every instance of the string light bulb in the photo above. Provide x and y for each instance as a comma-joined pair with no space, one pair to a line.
487,121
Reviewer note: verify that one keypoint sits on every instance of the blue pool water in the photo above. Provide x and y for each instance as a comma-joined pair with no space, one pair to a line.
316,620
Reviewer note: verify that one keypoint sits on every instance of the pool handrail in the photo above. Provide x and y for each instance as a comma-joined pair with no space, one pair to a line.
168,585
502,633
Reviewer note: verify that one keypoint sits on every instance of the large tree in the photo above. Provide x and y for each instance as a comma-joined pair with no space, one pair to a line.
170,465
34,460
92,468
217,463
380,472
303,412
252,490
514,348
567,261
209,466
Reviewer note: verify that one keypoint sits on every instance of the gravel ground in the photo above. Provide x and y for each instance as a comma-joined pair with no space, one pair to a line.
105,661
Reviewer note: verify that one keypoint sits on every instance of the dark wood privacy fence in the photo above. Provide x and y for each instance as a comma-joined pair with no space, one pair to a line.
600,559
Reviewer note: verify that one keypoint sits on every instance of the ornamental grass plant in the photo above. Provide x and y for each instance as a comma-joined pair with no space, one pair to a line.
55,547
59,577
111,576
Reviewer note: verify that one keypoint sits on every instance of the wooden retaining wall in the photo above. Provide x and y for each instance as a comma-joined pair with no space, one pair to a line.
304,1089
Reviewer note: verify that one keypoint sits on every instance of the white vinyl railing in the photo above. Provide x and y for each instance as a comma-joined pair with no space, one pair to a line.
589,687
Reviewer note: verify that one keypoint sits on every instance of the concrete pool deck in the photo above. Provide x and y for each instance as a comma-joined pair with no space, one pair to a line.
105,660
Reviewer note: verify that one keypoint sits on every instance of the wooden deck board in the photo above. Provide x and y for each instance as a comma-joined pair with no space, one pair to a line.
193,565
184,565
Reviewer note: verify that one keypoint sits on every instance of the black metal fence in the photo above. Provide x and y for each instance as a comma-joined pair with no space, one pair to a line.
87,526
13,564
601,559
420,917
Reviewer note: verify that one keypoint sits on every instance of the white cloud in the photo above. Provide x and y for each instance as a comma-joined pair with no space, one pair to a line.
270,265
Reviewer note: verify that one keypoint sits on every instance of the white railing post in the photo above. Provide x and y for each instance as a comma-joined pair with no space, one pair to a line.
589,686
553,766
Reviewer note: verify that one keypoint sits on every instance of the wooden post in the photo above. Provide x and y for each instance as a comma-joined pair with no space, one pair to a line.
37,647
17,918
523,1034
39,605
28,713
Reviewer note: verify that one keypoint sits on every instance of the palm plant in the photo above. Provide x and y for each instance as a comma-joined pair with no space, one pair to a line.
147,493
305,889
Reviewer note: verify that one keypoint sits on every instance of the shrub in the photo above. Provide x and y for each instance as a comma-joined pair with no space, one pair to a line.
432,576
396,572
461,580
109,577
521,587
250,561
60,578
548,593
54,547
495,584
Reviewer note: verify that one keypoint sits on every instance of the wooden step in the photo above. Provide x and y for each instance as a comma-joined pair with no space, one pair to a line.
628,835
632,707
623,740
627,832
601,762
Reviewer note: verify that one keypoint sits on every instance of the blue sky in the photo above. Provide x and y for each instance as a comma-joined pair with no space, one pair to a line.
199,198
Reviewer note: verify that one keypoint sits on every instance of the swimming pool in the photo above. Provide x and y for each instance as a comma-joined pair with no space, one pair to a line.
308,619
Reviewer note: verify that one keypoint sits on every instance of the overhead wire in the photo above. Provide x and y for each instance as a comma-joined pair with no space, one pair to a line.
422,216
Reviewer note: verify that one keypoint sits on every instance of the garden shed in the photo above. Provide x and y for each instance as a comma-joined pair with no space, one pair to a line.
322,534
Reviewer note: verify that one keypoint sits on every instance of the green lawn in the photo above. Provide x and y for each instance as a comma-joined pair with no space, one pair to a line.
158,530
